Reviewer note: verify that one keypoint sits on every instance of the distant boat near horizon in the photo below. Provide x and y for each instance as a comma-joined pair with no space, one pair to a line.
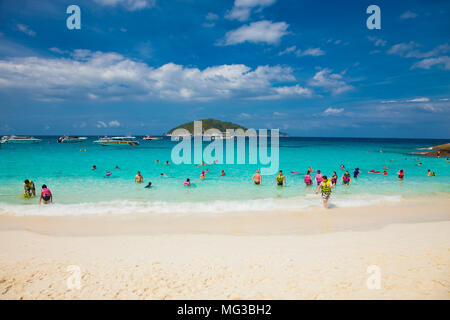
150,138
71,139
20,140
117,141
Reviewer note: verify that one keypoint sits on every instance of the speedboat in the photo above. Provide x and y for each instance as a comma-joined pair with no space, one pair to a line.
70,139
149,138
117,141
20,139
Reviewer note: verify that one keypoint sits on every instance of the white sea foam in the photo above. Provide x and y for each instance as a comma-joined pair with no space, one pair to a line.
159,207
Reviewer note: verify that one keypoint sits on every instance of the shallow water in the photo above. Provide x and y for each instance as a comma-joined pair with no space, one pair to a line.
66,170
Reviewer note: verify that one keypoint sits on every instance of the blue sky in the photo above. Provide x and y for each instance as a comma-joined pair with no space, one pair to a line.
309,68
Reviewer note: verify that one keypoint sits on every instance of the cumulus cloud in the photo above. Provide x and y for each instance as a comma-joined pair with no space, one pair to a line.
242,8
378,42
26,29
430,58
409,50
430,62
210,20
111,76
408,15
315,52
261,31
329,81
131,5
332,111
423,99
101,124
114,123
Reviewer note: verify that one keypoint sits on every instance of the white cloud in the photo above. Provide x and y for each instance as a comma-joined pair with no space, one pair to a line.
242,8
408,15
111,76
26,29
279,114
330,82
333,111
131,5
315,52
114,123
101,124
287,50
211,16
408,50
261,31
57,50
378,42
430,62
423,99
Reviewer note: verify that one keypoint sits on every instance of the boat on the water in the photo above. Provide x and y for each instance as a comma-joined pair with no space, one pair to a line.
117,141
71,139
149,138
20,139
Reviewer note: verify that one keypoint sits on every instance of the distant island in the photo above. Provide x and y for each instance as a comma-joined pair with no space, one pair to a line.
210,123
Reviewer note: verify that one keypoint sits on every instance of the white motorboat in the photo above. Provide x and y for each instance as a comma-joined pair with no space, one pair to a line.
117,141
149,138
71,139
20,140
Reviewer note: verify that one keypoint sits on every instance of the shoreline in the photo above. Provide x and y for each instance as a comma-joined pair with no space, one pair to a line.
311,254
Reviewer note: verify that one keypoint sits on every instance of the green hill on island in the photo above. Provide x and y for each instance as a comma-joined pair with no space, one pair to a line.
209,124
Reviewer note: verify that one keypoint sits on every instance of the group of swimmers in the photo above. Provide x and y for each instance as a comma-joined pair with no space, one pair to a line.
29,191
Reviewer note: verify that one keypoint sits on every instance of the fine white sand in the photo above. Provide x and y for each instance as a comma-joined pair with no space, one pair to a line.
183,262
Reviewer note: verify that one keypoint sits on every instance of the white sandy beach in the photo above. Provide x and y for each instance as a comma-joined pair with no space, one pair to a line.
303,255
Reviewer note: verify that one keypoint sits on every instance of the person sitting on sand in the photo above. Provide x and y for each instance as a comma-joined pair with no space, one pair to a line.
202,175
319,177
148,186
29,190
334,178
280,179
46,195
325,186
222,174
257,177
346,178
138,178
308,179
401,174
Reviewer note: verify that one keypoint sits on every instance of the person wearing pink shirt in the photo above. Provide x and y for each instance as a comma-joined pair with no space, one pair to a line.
319,177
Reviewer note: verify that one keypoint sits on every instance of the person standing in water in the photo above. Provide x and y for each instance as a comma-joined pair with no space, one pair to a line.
148,186
138,178
319,177
308,179
187,183
356,173
46,195
325,186
280,179
257,178
29,190
334,178
346,178
202,175
401,175
222,174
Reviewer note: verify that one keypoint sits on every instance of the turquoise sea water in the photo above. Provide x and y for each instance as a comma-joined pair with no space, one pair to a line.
66,170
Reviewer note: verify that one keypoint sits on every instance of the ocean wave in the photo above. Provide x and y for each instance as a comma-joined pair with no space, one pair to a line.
123,207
